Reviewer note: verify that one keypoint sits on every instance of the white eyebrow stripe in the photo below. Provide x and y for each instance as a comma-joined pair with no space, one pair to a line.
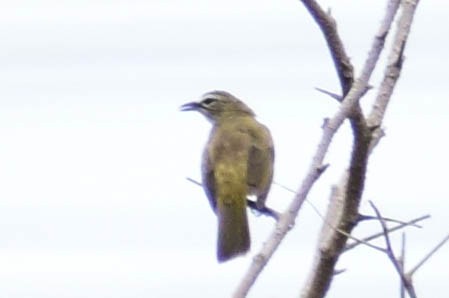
211,95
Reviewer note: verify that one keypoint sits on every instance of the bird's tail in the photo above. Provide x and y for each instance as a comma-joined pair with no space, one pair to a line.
233,230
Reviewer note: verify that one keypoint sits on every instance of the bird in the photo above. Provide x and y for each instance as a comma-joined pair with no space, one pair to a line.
237,162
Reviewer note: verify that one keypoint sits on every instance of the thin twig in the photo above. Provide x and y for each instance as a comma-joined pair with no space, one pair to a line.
330,225
363,217
427,257
194,181
358,241
339,271
390,230
339,98
402,263
389,251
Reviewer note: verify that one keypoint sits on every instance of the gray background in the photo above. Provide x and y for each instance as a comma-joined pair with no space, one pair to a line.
94,152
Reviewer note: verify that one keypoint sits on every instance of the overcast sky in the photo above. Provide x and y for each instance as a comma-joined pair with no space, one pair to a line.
94,151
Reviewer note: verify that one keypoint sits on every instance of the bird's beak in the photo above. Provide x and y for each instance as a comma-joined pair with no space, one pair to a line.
190,106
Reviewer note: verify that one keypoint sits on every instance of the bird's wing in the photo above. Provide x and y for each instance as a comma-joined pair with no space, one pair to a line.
209,180
260,165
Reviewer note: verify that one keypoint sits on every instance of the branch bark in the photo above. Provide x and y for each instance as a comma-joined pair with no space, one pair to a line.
328,26
343,209
352,184
350,189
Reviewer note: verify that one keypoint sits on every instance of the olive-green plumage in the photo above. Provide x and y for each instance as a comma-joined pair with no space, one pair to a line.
237,161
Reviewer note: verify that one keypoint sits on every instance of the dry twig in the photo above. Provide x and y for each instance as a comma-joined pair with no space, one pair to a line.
408,285
390,230
366,240
363,217
402,263
427,257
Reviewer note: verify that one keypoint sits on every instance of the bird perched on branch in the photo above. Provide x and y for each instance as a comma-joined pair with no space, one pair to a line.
237,162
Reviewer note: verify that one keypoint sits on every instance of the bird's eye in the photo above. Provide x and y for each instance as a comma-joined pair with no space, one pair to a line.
208,101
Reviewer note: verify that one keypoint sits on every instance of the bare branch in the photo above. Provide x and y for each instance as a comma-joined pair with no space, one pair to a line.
340,271
387,219
427,257
339,98
389,251
284,224
349,108
327,24
358,241
394,67
331,225
194,181
352,183
390,230
287,219
402,263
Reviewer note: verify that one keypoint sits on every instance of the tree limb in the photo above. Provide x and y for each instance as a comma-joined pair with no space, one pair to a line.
408,285
327,24
393,69
343,209
353,183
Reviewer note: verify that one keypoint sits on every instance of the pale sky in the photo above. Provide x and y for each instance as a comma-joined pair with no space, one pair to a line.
94,151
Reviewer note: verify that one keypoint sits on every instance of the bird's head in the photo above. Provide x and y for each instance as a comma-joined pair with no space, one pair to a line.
216,105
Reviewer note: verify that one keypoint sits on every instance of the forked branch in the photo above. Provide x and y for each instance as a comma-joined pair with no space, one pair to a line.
352,184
